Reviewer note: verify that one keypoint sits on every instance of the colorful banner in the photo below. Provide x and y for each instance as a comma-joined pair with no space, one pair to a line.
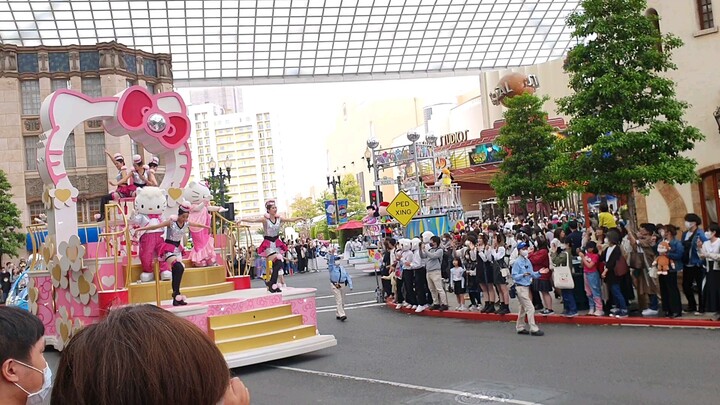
485,153
341,207
437,225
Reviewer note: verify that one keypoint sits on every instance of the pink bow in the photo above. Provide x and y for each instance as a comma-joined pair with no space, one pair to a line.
137,106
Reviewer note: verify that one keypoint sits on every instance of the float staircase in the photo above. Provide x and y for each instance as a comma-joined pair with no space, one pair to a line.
196,282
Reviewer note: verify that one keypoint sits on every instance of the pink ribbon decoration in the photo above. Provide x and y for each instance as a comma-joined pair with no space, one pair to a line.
137,109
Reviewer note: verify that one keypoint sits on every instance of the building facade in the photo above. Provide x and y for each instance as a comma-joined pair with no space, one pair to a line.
248,142
28,75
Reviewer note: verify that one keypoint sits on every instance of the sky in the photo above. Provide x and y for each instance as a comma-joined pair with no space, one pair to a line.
305,115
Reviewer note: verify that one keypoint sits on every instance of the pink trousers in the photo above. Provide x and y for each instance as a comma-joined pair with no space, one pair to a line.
150,245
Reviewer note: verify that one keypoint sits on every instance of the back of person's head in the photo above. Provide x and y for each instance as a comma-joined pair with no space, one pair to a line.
141,355
614,236
573,225
604,207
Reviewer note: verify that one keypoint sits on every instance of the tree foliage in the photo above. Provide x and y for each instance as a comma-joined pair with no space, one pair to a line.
528,144
304,207
11,240
626,129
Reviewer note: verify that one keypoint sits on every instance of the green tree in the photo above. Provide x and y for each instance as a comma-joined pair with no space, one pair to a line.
626,129
214,187
304,207
350,189
10,239
528,151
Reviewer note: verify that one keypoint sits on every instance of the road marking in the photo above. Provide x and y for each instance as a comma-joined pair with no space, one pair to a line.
347,308
409,386
348,304
348,294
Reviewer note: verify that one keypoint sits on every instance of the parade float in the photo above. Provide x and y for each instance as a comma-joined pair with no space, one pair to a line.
79,272
419,206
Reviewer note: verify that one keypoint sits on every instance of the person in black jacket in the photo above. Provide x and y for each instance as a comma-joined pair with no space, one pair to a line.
5,283
612,256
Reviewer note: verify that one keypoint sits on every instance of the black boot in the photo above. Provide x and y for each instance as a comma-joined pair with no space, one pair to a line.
491,308
177,272
504,309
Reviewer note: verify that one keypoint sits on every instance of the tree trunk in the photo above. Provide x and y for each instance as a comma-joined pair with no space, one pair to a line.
632,211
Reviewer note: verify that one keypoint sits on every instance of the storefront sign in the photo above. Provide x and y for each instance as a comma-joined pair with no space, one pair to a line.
485,153
455,137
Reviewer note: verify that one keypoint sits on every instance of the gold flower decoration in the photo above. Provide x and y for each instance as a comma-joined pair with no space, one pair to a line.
71,254
82,286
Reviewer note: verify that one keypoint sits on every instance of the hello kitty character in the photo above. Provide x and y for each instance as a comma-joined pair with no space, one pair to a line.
203,251
150,202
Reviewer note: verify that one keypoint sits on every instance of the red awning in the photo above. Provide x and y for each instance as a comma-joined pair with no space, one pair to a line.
354,224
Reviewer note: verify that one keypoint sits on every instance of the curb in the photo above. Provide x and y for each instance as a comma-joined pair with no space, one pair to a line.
559,319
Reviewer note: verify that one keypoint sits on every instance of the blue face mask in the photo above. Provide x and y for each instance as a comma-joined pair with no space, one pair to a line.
40,396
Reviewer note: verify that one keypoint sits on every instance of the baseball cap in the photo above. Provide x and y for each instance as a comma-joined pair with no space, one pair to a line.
522,245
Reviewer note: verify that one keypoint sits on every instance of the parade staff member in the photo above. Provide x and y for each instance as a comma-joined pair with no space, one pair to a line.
523,274
339,279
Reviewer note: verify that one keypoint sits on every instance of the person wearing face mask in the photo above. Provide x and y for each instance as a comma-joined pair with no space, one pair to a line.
693,270
710,251
26,376
523,274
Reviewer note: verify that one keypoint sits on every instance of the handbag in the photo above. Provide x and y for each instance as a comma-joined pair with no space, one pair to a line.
562,275
621,265
636,259
652,269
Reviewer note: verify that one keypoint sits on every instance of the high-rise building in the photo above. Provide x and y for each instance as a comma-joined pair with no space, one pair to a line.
28,75
247,142
229,98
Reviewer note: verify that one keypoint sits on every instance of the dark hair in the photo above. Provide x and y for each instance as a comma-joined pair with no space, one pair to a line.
591,245
613,236
542,242
19,331
436,239
573,224
692,217
671,229
148,356
455,259
714,228
604,207
648,227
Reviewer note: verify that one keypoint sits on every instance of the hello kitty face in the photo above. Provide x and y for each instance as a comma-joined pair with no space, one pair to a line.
197,193
150,200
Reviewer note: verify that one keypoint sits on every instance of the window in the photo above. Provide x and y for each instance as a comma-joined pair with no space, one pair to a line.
710,196
30,92
654,17
94,206
95,149
129,83
133,149
705,13
150,87
69,152
80,211
35,209
59,84
31,152
91,86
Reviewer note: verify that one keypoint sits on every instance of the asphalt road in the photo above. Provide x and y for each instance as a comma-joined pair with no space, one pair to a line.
387,357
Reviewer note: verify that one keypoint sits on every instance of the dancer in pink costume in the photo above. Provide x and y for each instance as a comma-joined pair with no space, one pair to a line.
203,251
150,202
273,248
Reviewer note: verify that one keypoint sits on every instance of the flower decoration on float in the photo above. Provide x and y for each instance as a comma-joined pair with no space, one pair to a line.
47,200
82,286
66,326
63,196
71,253
33,293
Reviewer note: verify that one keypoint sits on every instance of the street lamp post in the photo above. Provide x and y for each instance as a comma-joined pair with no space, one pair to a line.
334,181
221,177
373,144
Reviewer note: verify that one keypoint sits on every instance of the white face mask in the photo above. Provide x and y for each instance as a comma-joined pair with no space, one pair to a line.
39,397
606,241
708,234
524,253
688,225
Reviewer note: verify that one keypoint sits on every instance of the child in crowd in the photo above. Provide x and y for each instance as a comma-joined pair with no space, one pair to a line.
593,285
457,278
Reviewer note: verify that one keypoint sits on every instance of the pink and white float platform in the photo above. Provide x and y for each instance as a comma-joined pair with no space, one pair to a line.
74,284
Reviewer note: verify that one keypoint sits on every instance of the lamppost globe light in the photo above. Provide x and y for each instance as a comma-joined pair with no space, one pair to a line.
212,164
431,138
413,136
373,143
228,162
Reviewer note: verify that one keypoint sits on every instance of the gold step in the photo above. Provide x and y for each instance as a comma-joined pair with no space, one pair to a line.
136,268
254,328
145,292
266,339
256,315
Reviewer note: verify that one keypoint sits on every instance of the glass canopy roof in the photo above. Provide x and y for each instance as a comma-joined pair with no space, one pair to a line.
304,40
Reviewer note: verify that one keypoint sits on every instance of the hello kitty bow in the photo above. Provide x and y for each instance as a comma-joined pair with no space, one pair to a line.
138,111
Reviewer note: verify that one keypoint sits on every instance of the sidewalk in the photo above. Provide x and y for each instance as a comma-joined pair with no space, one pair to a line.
686,321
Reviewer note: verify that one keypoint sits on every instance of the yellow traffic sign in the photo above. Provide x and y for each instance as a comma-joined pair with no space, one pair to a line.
403,208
